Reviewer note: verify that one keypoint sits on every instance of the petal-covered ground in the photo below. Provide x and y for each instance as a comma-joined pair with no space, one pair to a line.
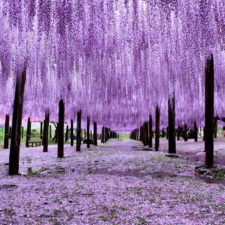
115,183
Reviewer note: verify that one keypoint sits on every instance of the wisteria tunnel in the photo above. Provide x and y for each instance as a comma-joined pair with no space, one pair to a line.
112,112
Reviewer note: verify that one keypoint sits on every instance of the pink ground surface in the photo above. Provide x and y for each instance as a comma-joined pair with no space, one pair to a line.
115,183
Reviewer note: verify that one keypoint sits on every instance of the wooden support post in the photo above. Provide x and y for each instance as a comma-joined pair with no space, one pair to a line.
60,130
78,142
143,133
6,137
195,132
67,133
150,131
157,128
45,133
103,135
107,134
132,135
16,124
140,138
71,133
88,132
185,136
203,133
28,136
41,130
138,134
209,112
171,125
95,134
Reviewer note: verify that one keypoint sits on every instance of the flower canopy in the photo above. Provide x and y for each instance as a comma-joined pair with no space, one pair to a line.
113,59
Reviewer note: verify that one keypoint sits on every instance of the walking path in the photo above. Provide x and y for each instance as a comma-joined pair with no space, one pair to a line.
195,150
115,183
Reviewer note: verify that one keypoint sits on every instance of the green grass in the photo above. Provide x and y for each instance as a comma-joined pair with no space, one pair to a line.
219,174
124,136
35,131
1,137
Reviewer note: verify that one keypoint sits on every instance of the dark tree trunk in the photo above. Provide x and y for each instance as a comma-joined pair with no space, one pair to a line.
78,142
150,131
6,138
196,131
95,134
67,133
60,130
88,132
28,137
41,130
16,124
185,136
209,112
103,135
157,128
140,138
171,125
143,133
203,133
71,134
45,133
106,135
138,134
